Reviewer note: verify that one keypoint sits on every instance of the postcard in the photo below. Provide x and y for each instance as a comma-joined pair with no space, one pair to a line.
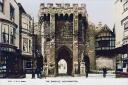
63,42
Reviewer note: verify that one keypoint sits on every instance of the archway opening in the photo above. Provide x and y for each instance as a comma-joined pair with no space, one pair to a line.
62,67
64,56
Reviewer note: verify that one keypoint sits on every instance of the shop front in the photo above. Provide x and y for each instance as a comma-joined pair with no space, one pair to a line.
122,61
10,62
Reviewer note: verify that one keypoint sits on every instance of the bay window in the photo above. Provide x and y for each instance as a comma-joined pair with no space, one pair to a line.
8,34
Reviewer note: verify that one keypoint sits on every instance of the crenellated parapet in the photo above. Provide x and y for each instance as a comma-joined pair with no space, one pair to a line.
62,5
64,8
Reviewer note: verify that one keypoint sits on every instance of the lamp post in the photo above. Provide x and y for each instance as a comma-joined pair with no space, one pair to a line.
33,50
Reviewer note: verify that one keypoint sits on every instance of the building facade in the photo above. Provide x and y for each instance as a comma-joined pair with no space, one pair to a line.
64,27
105,48
10,59
20,44
122,57
25,39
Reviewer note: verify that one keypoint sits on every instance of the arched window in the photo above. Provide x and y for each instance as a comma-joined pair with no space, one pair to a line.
66,17
71,17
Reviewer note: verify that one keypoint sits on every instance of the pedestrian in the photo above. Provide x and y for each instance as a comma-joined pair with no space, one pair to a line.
38,71
87,63
86,73
104,72
41,72
44,71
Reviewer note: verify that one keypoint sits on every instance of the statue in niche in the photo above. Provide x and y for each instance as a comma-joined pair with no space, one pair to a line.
65,30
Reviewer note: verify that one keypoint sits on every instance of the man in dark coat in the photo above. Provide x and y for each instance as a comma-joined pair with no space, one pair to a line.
87,64
104,72
86,73
38,71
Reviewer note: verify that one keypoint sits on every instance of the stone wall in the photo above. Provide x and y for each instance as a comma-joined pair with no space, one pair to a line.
90,44
105,62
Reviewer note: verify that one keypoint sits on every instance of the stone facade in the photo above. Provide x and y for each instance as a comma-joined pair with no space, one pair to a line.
90,44
64,36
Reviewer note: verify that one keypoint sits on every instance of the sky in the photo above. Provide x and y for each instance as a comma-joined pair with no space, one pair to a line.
98,10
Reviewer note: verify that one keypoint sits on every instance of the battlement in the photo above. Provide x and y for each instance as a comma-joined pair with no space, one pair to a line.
59,5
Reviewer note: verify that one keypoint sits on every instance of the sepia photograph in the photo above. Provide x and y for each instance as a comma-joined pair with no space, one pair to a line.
63,42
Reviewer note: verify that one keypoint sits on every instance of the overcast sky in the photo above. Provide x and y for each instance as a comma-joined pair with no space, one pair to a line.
98,10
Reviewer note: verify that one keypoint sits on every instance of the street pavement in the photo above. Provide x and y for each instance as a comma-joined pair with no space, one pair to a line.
90,76
93,79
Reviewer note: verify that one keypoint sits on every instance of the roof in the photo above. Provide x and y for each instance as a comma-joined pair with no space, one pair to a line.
21,8
105,28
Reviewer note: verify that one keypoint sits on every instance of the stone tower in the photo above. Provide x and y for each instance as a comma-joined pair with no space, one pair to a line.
64,29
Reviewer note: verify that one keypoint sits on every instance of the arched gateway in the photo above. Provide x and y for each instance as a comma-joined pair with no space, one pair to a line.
65,54
64,29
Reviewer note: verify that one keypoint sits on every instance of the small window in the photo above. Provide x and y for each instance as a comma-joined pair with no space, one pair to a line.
25,44
12,13
1,5
126,25
103,43
12,35
125,6
28,64
30,45
5,33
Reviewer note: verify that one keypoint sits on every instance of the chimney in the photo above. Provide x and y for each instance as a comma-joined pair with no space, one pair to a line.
100,24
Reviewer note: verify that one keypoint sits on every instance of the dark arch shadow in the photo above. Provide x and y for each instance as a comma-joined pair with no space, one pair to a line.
66,54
